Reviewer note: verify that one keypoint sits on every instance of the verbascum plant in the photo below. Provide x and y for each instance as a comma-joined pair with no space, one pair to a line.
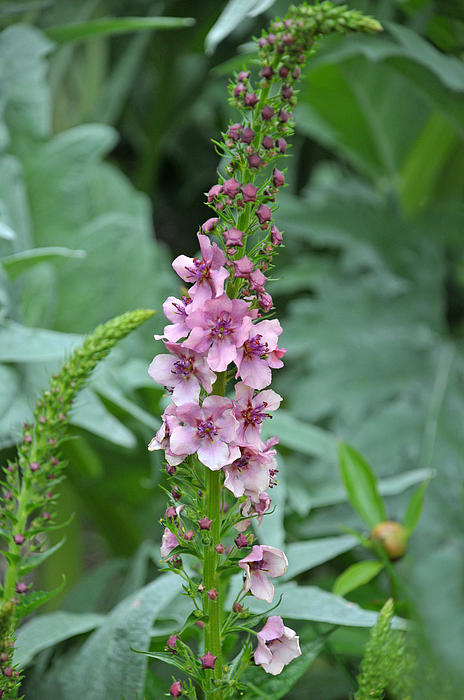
29,485
222,343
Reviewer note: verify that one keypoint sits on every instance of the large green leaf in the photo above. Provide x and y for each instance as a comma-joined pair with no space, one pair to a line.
303,556
47,630
19,262
105,654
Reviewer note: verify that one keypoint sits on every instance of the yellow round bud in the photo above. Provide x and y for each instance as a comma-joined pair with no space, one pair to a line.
392,536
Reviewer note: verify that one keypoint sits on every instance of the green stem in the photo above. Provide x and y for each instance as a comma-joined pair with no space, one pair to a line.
211,577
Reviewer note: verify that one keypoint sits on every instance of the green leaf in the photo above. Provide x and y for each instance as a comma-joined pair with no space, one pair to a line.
21,344
234,12
107,26
275,687
301,436
303,556
316,605
110,669
356,575
45,631
34,560
31,601
361,485
20,262
414,509
6,232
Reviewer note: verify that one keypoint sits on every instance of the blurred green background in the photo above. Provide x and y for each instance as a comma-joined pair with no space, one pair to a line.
105,155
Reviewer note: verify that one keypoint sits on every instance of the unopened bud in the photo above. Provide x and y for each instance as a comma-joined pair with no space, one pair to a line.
237,608
220,549
392,536
212,594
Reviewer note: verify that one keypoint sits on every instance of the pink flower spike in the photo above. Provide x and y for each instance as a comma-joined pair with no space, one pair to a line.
259,353
183,371
277,646
206,275
219,328
208,430
250,411
168,542
263,561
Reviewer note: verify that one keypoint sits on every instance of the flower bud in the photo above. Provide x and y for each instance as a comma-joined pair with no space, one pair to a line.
250,99
234,131
271,39
278,178
267,142
249,192
214,192
287,92
233,237
171,514
200,624
209,225
220,549
281,144
267,112
283,116
237,608
284,71
230,187
263,213
208,660
392,536
267,72
254,161
205,523
276,236
247,135
176,689
239,89
21,587
170,469
212,594
19,539
241,541
34,466
243,267
172,641
262,42
243,75
175,493
265,301
189,535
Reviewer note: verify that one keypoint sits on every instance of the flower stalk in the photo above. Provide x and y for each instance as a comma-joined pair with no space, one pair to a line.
222,330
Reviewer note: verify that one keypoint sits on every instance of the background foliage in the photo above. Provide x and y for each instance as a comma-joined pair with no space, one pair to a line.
104,135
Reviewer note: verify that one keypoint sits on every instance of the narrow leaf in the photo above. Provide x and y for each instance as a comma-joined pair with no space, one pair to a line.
303,556
30,601
36,559
361,485
356,575
414,509
104,26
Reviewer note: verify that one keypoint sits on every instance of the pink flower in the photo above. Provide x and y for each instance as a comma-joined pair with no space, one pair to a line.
214,192
209,225
184,371
176,689
249,473
259,353
263,561
253,506
277,646
162,439
207,275
218,329
208,430
250,411
168,542
208,660
176,310
249,192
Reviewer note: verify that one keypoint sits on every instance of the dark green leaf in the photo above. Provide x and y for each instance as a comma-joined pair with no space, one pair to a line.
105,26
